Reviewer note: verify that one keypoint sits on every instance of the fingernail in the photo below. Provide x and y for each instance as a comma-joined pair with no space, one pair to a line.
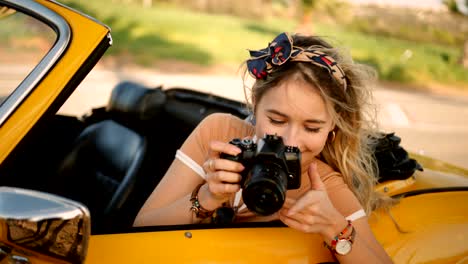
291,212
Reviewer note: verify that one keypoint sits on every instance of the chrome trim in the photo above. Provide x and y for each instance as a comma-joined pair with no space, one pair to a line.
37,206
19,259
42,225
45,65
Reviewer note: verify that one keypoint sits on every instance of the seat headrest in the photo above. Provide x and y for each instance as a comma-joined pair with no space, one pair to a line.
137,101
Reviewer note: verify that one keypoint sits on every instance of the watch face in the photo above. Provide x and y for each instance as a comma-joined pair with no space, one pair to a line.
343,246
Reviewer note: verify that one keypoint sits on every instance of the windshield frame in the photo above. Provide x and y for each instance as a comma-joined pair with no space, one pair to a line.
64,35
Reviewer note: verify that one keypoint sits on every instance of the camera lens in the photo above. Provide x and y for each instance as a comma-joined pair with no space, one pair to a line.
264,190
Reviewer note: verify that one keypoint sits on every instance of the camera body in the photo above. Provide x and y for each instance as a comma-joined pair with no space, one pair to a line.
271,168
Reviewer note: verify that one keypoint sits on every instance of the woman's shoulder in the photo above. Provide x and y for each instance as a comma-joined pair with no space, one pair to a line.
223,120
338,190
325,170
220,118
226,125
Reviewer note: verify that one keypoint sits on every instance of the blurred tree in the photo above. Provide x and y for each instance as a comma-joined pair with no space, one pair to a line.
284,8
305,25
464,57
244,8
460,7
313,11
457,6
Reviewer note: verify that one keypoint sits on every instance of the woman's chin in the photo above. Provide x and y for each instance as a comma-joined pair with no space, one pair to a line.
306,159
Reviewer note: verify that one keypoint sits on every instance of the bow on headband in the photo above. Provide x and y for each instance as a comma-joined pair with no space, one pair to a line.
281,50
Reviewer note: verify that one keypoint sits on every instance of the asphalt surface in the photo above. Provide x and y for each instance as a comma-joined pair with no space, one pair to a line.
431,124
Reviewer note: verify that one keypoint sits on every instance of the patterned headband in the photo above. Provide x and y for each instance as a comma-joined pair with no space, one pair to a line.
281,50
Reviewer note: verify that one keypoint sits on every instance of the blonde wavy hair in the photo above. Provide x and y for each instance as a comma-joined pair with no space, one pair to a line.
353,112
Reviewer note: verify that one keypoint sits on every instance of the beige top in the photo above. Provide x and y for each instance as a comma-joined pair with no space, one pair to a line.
225,127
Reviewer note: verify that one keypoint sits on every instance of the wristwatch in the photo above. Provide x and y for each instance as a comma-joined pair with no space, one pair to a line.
342,246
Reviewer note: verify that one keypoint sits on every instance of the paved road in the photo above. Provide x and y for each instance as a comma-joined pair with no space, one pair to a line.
433,125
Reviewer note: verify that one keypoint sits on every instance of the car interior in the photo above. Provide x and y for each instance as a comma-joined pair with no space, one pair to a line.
111,159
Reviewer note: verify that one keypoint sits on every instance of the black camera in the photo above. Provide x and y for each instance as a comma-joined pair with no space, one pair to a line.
271,168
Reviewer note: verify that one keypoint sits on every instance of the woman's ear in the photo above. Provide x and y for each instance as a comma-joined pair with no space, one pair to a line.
333,126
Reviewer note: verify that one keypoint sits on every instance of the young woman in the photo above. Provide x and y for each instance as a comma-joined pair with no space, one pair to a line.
315,99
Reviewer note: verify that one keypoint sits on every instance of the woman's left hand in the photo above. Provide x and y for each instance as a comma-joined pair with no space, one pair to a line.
313,212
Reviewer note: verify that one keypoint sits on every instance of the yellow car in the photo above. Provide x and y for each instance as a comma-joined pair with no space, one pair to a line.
72,185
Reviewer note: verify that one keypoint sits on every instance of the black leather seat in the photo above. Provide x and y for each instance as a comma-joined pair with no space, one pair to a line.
100,171
135,105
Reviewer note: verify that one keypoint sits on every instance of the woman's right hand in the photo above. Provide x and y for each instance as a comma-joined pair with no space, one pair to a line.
222,175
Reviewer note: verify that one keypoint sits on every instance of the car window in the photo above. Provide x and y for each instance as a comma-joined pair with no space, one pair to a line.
24,41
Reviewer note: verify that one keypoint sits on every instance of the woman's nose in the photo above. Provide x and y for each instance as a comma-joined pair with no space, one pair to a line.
291,138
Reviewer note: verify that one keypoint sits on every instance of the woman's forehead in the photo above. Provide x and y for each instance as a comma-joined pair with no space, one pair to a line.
295,97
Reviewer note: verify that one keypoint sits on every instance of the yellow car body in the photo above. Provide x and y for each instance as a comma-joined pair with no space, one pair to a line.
429,225
85,36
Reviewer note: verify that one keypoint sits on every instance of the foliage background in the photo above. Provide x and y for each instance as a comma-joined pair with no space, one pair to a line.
420,48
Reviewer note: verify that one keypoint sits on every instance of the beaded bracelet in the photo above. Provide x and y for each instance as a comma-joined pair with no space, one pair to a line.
196,207
348,226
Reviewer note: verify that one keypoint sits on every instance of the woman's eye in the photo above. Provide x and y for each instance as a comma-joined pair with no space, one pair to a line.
312,129
275,121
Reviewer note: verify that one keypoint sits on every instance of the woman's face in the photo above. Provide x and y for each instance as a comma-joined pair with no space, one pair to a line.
295,111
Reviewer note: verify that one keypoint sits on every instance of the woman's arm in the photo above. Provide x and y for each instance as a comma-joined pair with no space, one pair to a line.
313,212
170,201
365,249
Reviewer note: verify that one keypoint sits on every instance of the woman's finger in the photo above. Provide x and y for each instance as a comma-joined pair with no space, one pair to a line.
303,221
289,202
212,165
217,147
310,198
209,165
227,165
297,224
316,182
224,177
225,189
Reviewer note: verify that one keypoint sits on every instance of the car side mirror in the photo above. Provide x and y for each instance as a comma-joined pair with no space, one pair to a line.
37,227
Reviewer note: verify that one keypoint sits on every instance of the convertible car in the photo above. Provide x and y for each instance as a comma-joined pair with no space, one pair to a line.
72,185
